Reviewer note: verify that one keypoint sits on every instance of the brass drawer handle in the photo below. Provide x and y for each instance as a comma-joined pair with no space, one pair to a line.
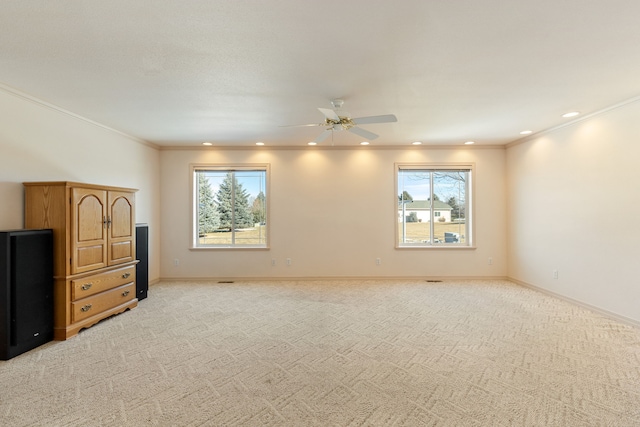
126,275
87,286
125,293
86,308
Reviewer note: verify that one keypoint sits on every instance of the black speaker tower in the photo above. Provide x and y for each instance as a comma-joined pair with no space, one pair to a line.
142,253
26,290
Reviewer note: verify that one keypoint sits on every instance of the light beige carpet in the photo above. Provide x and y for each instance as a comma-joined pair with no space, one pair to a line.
334,353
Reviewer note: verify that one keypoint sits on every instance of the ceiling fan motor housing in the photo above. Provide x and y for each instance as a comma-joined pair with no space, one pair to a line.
337,103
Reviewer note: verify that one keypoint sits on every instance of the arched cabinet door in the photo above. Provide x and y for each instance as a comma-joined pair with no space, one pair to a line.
121,227
88,229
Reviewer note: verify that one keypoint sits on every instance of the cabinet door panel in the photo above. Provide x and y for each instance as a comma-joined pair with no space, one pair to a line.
90,218
122,227
90,255
88,232
121,221
121,250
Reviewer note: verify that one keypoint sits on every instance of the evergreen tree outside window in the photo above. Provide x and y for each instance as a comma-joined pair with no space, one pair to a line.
230,206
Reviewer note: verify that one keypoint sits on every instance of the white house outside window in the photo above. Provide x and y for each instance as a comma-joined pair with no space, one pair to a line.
434,205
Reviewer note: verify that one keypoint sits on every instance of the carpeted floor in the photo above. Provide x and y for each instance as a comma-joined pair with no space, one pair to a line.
334,353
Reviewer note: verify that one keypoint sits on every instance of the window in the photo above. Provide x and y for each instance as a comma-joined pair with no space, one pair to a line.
434,205
230,206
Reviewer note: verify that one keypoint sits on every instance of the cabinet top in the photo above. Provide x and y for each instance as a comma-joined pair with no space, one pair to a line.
71,184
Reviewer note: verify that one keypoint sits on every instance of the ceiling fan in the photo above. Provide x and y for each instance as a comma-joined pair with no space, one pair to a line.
337,119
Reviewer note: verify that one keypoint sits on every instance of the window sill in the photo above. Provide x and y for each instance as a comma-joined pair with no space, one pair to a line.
233,248
435,247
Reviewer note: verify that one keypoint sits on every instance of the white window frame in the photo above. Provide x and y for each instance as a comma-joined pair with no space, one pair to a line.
218,167
469,207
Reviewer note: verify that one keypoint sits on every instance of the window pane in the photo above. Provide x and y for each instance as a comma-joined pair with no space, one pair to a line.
449,188
250,209
414,192
231,208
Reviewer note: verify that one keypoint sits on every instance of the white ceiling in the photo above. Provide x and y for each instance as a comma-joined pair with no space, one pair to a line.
232,72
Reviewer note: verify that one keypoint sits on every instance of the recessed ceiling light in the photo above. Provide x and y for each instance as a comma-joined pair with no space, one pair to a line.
571,114
469,142
364,143
207,143
259,143
311,143
526,132
416,143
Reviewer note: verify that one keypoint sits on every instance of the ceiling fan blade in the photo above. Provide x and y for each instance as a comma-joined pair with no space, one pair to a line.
324,135
329,114
363,133
296,126
388,118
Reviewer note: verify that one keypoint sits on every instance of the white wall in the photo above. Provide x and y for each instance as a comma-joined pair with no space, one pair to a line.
40,143
333,213
573,203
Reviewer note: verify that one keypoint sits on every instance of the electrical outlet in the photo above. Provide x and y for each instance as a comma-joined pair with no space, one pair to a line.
555,274
378,262
176,262
273,262
288,261
490,261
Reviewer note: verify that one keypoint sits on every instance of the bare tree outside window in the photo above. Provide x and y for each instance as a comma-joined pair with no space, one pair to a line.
436,215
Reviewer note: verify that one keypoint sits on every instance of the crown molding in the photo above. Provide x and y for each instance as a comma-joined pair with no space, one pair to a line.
26,97
573,122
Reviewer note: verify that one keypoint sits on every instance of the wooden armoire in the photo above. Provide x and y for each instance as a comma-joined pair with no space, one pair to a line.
94,249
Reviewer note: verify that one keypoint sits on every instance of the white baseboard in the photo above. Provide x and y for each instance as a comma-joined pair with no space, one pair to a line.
316,278
599,310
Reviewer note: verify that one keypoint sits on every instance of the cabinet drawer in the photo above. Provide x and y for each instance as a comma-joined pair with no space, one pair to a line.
91,285
97,303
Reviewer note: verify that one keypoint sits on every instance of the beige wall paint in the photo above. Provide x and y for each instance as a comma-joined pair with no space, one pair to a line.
40,143
332,212
573,199
564,201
